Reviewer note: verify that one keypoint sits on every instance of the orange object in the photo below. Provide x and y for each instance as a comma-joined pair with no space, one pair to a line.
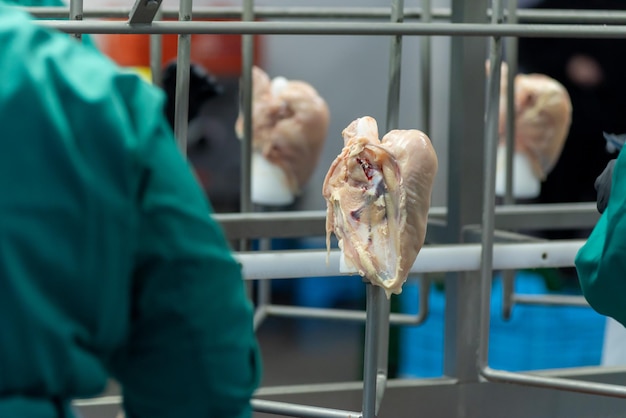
218,54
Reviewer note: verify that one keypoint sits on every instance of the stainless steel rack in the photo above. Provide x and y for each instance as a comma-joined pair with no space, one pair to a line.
471,232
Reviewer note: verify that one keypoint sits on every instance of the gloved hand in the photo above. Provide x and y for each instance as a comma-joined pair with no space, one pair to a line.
603,186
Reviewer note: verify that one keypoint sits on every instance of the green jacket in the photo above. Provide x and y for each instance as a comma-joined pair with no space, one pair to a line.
86,39
601,262
110,262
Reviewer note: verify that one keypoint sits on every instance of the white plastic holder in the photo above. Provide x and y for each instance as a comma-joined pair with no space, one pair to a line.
345,267
525,184
269,185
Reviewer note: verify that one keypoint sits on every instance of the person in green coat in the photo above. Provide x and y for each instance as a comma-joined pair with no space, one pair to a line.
601,262
111,265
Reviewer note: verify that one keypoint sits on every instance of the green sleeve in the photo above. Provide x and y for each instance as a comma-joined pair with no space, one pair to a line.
601,262
192,350
137,274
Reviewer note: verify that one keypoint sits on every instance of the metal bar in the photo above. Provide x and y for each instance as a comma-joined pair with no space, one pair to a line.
489,195
312,223
508,276
247,52
264,12
395,69
432,259
425,63
572,385
372,347
423,304
551,300
264,296
343,28
382,340
511,58
296,390
183,61
546,216
343,314
156,53
76,14
570,373
473,233
349,386
378,306
467,63
609,17
261,312
303,411
143,12
99,401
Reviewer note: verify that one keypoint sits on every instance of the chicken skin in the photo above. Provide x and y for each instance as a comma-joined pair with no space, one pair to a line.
378,196
289,127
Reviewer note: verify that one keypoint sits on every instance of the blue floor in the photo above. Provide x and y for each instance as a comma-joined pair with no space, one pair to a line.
535,337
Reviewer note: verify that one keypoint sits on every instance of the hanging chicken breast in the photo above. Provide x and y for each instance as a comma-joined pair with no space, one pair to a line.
543,114
378,197
289,126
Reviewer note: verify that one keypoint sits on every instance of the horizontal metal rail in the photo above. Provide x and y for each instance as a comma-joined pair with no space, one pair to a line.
99,401
378,13
546,216
313,223
273,224
303,411
301,389
350,386
341,28
259,405
267,12
528,379
336,314
432,259
551,300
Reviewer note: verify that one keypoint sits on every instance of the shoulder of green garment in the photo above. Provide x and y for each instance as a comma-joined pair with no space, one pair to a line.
36,3
87,40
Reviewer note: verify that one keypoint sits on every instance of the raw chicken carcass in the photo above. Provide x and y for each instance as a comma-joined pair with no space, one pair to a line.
378,197
289,127
543,113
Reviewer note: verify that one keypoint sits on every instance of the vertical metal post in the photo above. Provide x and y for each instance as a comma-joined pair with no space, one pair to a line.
156,53
511,58
76,13
508,277
425,43
465,181
377,306
488,224
264,289
395,66
247,50
245,94
181,109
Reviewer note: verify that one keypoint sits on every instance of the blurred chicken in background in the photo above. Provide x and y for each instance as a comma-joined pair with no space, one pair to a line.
289,127
592,72
543,115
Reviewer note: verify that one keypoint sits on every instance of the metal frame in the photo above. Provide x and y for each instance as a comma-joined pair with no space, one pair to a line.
469,23
345,28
